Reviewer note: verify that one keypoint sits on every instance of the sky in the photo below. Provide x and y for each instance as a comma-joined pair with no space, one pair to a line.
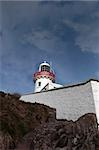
64,33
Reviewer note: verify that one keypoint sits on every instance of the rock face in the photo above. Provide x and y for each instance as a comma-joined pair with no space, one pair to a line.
18,118
26,126
63,135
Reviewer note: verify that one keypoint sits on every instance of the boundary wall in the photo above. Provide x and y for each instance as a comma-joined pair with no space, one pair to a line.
70,102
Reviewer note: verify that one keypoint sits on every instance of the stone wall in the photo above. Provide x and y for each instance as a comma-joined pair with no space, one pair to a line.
70,102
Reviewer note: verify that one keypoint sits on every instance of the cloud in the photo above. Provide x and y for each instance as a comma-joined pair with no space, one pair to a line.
32,15
45,40
76,26
87,37
89,41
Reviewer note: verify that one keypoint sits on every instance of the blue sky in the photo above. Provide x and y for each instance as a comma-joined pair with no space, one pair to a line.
64,33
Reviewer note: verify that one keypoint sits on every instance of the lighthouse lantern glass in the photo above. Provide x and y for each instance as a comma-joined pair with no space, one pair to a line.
45,68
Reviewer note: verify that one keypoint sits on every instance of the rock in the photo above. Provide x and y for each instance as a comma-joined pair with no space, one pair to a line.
34,127
62,141
6,141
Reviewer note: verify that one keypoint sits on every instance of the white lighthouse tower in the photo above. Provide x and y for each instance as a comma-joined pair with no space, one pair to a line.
44,78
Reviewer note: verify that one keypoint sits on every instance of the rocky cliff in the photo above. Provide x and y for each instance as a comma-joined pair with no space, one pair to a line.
26,126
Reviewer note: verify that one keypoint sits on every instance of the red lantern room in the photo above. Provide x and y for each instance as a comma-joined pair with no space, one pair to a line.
44,72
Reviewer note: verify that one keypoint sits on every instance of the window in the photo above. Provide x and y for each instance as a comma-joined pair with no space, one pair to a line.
45,68
39,83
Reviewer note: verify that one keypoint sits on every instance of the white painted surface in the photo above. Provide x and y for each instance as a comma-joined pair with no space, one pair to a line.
70,102
55,85
95,89
45,80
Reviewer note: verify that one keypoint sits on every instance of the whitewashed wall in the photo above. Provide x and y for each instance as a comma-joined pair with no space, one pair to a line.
70,102
95,89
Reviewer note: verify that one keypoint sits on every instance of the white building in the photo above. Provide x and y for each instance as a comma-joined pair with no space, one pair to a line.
70,102
44,78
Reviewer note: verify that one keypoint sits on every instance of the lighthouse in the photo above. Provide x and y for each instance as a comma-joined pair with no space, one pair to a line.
71,101
44,78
